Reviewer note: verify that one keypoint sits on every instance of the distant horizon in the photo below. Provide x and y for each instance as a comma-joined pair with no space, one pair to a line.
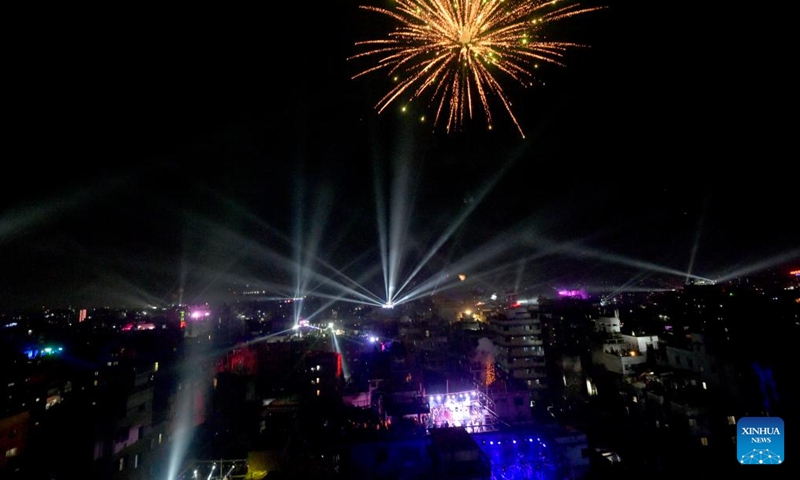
585,293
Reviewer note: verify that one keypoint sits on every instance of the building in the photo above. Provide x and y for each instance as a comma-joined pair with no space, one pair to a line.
517,334
13,439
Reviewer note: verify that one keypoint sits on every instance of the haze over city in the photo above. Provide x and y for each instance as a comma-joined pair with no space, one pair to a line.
404,239
183,156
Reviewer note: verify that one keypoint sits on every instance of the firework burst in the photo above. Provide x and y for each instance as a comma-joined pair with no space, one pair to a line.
456,52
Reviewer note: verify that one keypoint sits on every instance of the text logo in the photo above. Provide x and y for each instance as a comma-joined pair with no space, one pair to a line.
759,441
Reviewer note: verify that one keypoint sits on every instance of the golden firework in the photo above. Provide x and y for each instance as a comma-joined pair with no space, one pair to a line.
459,50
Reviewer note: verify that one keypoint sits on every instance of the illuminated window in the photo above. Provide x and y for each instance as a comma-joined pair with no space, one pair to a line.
704,441
731,420
692,422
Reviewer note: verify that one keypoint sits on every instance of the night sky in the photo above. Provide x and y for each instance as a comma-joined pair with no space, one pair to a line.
156,155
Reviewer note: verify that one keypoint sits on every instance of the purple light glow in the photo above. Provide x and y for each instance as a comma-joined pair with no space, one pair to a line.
574,293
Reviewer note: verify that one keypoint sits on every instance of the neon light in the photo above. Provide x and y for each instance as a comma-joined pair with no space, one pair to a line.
574,293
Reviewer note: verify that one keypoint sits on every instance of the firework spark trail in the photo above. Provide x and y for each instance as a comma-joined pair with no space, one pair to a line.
457,49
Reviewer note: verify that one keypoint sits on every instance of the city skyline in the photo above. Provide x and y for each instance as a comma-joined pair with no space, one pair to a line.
186,154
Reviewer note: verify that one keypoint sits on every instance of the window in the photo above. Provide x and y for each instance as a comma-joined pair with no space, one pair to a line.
704,441
731,420
692,422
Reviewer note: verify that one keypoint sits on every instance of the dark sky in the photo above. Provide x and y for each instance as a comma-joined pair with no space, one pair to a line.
156,155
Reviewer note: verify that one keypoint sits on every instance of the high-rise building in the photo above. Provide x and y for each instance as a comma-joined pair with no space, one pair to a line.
517,334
